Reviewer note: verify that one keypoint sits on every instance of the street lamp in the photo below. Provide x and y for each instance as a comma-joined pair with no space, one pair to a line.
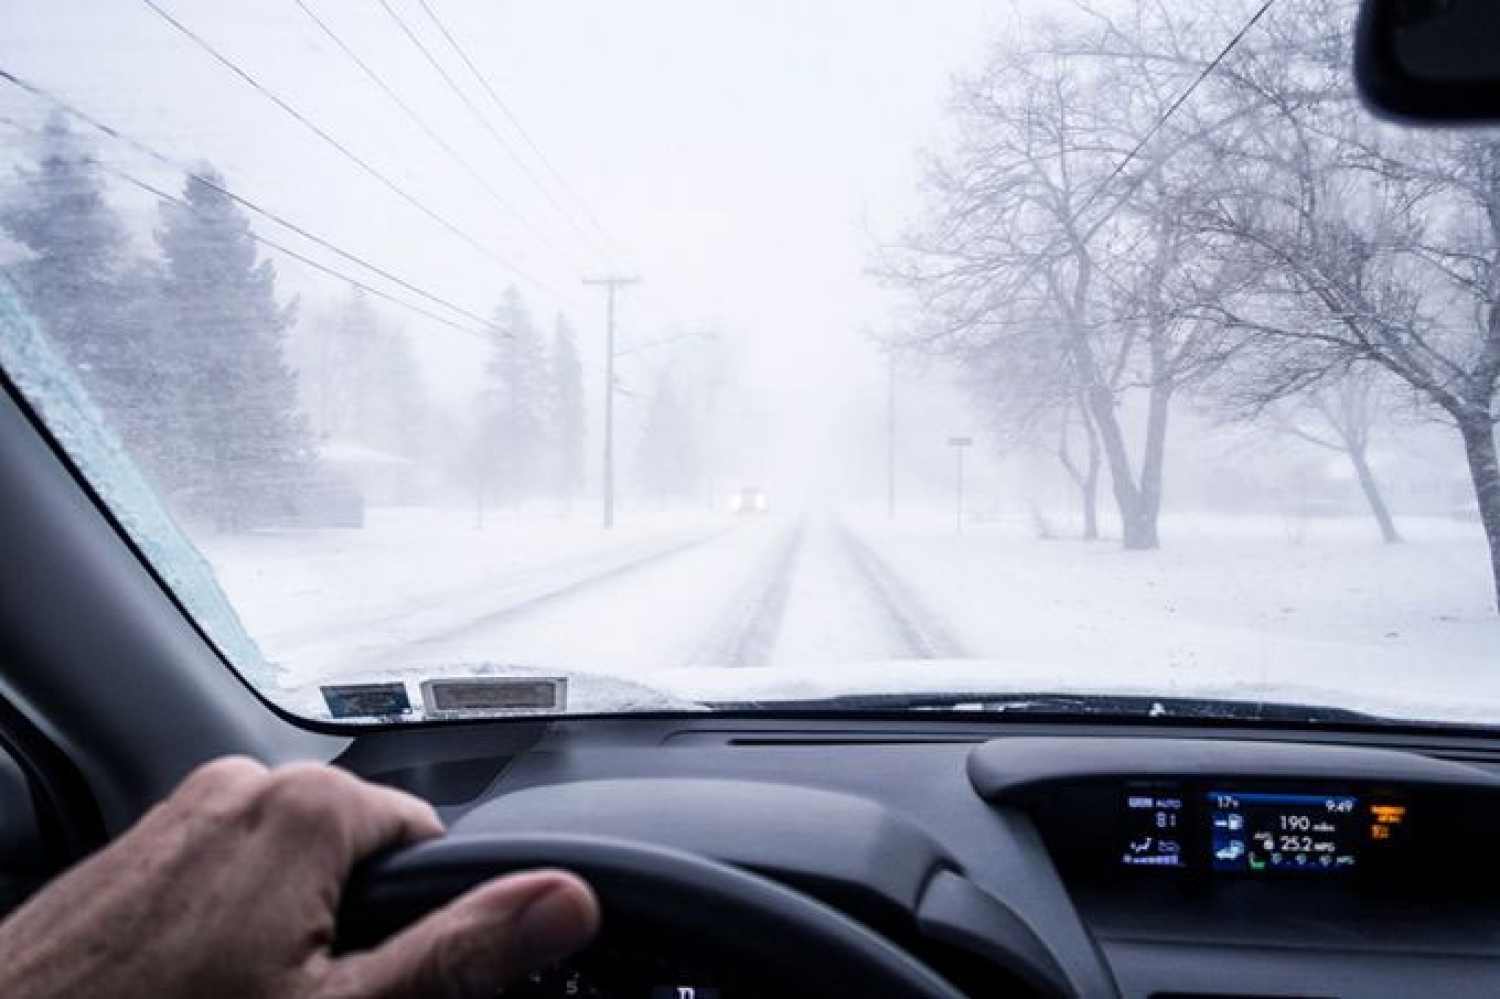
958,444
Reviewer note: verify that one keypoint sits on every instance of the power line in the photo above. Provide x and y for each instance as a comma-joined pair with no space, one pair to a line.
348,153
299,257
482,118
284,250
1160,123
238,199
428,130
607,242
515,122
1076,216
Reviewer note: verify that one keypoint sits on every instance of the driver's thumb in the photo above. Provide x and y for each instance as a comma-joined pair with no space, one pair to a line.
476,943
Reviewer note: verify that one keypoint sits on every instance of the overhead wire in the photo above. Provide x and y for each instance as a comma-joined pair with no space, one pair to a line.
483,119
350,155
521,130
505,203
244,202
1076,216
604,241
300,257
607,242
1161,121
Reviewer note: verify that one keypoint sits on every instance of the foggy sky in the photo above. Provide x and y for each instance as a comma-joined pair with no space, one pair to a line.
741,154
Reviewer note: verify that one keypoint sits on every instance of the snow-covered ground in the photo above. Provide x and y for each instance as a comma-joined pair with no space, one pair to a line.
323,602
712,607
1313,610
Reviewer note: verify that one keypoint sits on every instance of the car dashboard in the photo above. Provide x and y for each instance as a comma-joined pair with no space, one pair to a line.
1023,858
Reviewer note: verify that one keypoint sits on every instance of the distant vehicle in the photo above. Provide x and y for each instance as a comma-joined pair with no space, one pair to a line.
749,500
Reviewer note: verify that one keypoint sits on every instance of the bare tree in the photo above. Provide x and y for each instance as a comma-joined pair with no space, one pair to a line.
1374,247
1085,476
1029,396
1025,238
1341,417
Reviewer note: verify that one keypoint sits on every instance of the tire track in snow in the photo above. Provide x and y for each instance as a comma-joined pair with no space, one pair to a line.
745,636
443,619
922,633
293,642
567,590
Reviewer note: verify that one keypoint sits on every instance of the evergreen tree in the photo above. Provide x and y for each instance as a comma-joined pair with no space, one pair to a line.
78,280
667,459
363,382
566,414
231,398
514,402
396,408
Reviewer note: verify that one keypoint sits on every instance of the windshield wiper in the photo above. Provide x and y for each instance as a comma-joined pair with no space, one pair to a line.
1066,706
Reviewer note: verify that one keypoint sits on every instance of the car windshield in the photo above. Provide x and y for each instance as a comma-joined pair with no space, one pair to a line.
452,359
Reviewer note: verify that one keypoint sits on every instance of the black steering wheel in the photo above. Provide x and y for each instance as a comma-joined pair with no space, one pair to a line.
764,935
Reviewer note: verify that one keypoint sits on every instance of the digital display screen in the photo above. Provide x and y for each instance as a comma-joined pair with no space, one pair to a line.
1222,829
1155,824
1256,831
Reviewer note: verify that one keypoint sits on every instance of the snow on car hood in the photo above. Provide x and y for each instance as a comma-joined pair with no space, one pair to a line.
699,690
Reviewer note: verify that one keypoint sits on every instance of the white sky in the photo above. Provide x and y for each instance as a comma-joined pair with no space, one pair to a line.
740,153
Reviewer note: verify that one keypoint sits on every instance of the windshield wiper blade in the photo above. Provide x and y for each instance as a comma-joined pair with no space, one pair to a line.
1066,705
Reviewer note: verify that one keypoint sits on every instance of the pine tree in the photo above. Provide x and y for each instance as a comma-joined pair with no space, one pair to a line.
566,414
667,459
364,385
79,282
396,410
230,395
514,403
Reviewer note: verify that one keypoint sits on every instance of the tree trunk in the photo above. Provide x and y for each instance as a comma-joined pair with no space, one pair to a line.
1484,471
1086,479
1153,463
1137,531
1090,488
1090,479
1371,489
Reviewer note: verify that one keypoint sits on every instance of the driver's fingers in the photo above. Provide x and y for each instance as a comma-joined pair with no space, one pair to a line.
308,806
477,943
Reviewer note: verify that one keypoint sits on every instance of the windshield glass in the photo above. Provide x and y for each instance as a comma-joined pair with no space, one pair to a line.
453,359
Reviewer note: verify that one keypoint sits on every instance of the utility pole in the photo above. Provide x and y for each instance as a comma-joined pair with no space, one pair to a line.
611,283
959,444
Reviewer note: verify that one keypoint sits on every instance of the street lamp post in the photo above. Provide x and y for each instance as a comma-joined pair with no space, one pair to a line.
959,444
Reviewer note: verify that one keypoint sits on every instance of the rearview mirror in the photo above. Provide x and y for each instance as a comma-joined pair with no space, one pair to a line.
1434,61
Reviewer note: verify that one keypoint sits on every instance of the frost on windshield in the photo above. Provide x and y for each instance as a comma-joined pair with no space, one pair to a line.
81,428
737,354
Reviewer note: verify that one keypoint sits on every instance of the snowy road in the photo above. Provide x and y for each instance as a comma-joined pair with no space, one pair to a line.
821,594
708,607
919,631
753,593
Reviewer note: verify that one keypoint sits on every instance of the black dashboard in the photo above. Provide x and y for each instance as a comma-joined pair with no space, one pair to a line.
1024,858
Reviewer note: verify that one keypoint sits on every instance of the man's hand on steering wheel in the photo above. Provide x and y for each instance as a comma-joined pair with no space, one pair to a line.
230,888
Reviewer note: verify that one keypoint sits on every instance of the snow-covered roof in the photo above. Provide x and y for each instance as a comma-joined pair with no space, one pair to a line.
349,453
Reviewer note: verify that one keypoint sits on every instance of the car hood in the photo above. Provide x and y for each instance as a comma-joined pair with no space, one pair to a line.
902,684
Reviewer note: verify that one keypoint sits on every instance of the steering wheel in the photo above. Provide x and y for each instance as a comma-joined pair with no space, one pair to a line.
757,929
